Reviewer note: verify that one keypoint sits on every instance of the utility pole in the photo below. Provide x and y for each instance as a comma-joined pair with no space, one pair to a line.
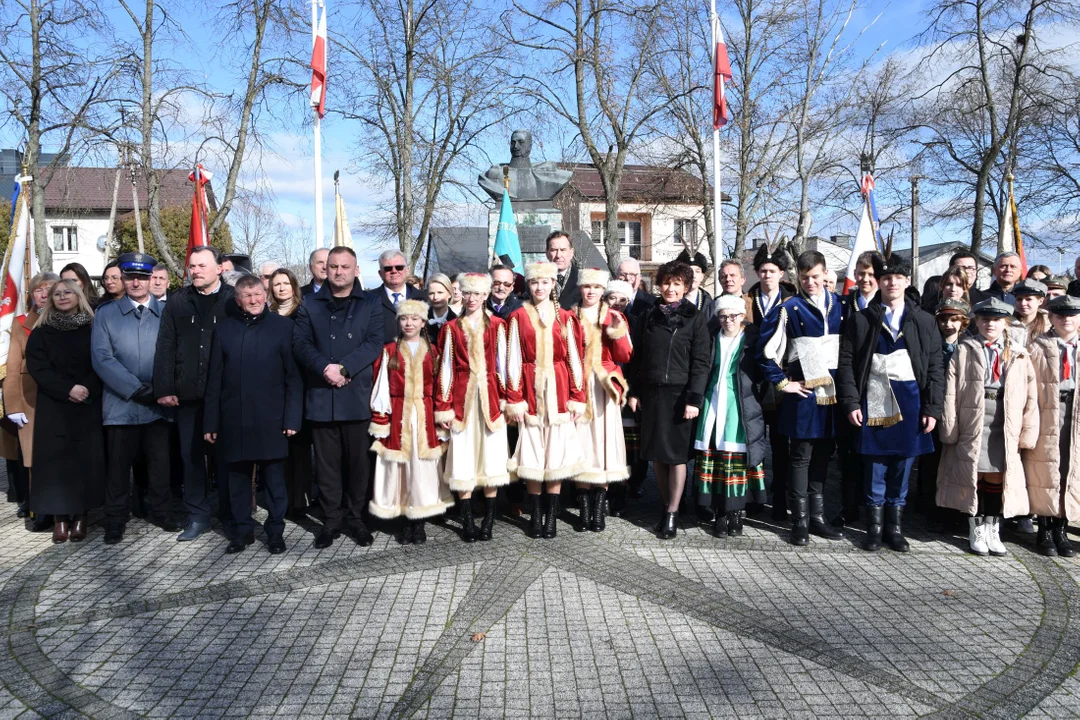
915,231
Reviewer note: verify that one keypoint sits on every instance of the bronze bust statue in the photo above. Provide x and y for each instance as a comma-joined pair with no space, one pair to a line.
527,181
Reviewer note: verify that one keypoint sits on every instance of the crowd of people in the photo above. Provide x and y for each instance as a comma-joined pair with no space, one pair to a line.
331,403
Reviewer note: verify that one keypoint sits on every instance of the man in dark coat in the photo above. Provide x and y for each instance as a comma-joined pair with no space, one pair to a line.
181,369
560,251
254,404
124,340
1007,272
317,266
502,301
393,269
640,301
337,338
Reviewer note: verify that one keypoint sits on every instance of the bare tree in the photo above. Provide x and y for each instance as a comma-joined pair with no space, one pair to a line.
597,55
427,83
53,84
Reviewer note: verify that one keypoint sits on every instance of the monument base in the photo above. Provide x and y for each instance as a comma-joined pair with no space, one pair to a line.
526,213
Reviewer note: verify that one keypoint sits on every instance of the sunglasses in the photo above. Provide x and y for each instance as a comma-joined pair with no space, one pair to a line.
393,268
496,283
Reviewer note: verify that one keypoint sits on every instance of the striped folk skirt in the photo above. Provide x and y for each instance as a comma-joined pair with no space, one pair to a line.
724,483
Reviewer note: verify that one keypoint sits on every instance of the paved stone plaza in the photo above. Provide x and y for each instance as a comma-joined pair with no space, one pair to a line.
617,624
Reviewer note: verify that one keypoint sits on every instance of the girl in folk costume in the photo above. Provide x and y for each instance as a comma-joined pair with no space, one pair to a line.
1051,467
408,467
730,437
469,400
545,394
990,414
607,342
617,295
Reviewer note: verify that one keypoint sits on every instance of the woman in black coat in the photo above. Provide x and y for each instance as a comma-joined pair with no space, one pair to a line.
672,358
68,474
254,404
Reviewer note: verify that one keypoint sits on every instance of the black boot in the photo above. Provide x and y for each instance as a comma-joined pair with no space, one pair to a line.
551,513
818,526
617,499
405,531
582,500
735,518
41,523
419,534
468,526
720,524
536,519
1060,537
598,509
894,531
779,507
669,527
488,522
800,521
875,515
1044,542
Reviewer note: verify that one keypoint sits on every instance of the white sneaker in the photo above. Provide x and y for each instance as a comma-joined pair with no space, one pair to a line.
992,529
977,536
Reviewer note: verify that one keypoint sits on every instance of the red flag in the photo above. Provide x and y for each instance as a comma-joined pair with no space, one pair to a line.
198,235
318,68
721,74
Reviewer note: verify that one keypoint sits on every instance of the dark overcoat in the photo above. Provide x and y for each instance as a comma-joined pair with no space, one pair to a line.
346,331
69,450
389,312
254,391
184,342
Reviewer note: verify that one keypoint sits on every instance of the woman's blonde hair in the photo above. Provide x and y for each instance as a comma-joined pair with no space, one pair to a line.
45,318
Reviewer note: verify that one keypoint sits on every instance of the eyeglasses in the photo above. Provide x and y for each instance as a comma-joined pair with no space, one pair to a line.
496,283
729,318
265,277
968,268
392,268
63,293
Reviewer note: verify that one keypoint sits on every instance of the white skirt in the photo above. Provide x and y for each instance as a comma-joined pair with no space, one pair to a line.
547,452
414,489
602,441
476,456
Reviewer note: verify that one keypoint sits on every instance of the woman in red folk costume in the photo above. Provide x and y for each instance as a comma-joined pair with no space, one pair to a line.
600,429
545,394
471,393
408,467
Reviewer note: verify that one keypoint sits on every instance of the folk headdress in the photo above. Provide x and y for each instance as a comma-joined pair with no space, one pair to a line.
766,255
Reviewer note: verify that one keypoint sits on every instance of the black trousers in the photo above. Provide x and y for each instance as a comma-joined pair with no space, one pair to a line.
852,470
18,480
343,468
194,454
809,465
123,443
781,455
274,495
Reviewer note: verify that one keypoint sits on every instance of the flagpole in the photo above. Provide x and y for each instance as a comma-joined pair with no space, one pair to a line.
318,139
718,223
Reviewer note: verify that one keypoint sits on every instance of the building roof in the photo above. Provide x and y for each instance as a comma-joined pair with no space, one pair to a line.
90,189
640,183
930,252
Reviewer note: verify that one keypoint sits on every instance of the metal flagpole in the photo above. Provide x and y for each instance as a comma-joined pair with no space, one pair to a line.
318,140
718,225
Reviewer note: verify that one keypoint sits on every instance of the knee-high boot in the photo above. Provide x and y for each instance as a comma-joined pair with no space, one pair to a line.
488,523
536,518
552,512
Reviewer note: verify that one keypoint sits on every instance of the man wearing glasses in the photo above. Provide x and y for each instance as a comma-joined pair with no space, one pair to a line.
502,301
267,269
393,269
630,271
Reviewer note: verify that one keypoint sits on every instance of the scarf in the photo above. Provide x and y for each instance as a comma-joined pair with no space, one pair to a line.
668,308
60,321
286,308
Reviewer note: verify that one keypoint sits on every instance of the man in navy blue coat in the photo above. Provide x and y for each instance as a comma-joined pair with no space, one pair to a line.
254,404
393,269
337,338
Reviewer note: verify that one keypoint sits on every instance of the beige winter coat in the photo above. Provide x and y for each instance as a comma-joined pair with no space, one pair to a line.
962,427
1041,463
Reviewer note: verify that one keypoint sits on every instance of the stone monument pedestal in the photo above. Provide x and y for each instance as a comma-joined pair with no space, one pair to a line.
526,213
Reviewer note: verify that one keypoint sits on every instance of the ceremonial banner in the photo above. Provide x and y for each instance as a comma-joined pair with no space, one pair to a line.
318,68
198,233
1009,238
721,74
864,242
19,265
507,246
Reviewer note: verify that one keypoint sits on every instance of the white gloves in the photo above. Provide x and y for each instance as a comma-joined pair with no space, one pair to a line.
18,418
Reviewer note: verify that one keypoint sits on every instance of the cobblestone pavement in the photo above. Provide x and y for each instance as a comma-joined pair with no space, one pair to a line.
618,624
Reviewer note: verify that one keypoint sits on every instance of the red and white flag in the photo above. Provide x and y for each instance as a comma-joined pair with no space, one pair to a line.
19,265
318,68
864,242
198,231
721,74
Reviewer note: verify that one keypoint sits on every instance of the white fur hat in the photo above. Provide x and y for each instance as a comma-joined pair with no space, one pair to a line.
621,287
541,269
731,303
593,276
475,282
413,307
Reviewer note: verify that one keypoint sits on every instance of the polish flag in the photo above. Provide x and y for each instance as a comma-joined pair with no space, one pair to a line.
198,231
721,74
864,242
318,68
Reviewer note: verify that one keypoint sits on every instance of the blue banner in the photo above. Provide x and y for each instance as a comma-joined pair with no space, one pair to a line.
507,246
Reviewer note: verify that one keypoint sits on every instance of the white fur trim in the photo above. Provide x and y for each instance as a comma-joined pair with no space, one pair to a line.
418,308
421,513
475,282
385,512
593,276
552,475
599,477
541,269
444,416
469,484
621,287
516,411
576,407
379,430
616,332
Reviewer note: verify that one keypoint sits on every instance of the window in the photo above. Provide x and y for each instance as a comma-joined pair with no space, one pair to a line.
65,239
686,233
629,236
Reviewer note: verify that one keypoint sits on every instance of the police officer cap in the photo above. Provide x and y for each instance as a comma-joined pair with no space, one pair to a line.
893,265
992,307
1029,287
952,306
1064,305
134,263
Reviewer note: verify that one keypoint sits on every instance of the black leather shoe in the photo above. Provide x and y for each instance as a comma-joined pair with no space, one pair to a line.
113,534
419,535
598,509
669,527
361,535
1044,542
468,524
276,544
893,535
536,518
41,523
581,498
326,538
875,520
550,514
240,543
23,510
1061,539
167,524
818,526
488,523
720,524
800,522
734,528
